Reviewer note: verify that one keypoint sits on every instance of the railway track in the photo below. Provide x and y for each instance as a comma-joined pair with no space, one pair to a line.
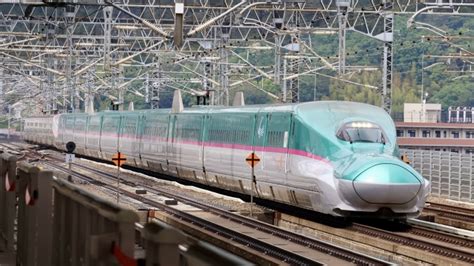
276,252
400,238
462,254
11,147
435,235
452,212
418,237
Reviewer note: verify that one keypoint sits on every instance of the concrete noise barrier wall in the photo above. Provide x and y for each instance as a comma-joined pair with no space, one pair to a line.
59,223
86,227
166,245
7,200
162,244
35,215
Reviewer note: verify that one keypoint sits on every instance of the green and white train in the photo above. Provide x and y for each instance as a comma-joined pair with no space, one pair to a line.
339,158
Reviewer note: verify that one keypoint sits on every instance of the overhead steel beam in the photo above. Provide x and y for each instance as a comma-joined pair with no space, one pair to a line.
178,23
143,21
214,19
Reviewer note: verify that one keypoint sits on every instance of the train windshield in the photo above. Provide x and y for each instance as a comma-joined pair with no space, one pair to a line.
361,132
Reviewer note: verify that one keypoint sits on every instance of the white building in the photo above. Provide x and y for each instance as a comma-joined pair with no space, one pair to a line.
422,112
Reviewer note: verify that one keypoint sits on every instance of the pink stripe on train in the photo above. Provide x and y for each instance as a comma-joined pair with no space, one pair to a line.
234,146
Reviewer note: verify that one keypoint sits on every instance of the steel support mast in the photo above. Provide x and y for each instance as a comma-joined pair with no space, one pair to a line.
387,14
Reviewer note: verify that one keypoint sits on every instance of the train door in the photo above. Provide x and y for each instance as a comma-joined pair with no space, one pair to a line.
122,136
140,138
128,134
276,147
171,145
80,133
109,140
260,134
204,132
94,135
86,134
190,148
242,137
118,131
218,149
100,133
61,131
69,129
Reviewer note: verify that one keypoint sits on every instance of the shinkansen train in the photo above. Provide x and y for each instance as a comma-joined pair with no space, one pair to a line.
338,158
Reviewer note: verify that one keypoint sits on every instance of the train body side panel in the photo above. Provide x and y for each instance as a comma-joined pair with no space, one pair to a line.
129,138
93,135
80,129
217,154
109,136
153,144
61,132
186,145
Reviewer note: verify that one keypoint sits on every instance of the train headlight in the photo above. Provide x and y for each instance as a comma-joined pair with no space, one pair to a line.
363,125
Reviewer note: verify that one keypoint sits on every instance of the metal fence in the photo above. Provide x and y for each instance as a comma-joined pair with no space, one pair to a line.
451,174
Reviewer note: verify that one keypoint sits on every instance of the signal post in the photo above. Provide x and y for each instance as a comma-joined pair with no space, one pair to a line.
70,157
252,159
118,159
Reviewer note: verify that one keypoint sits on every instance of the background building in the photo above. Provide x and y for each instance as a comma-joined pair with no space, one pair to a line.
422,112
422,128
436,136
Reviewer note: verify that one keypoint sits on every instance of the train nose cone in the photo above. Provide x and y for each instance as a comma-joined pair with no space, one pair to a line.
387,183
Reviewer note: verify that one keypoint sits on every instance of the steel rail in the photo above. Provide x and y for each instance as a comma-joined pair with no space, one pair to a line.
320,246
434,234
264,248
425,245
454,212
394,237
387,235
